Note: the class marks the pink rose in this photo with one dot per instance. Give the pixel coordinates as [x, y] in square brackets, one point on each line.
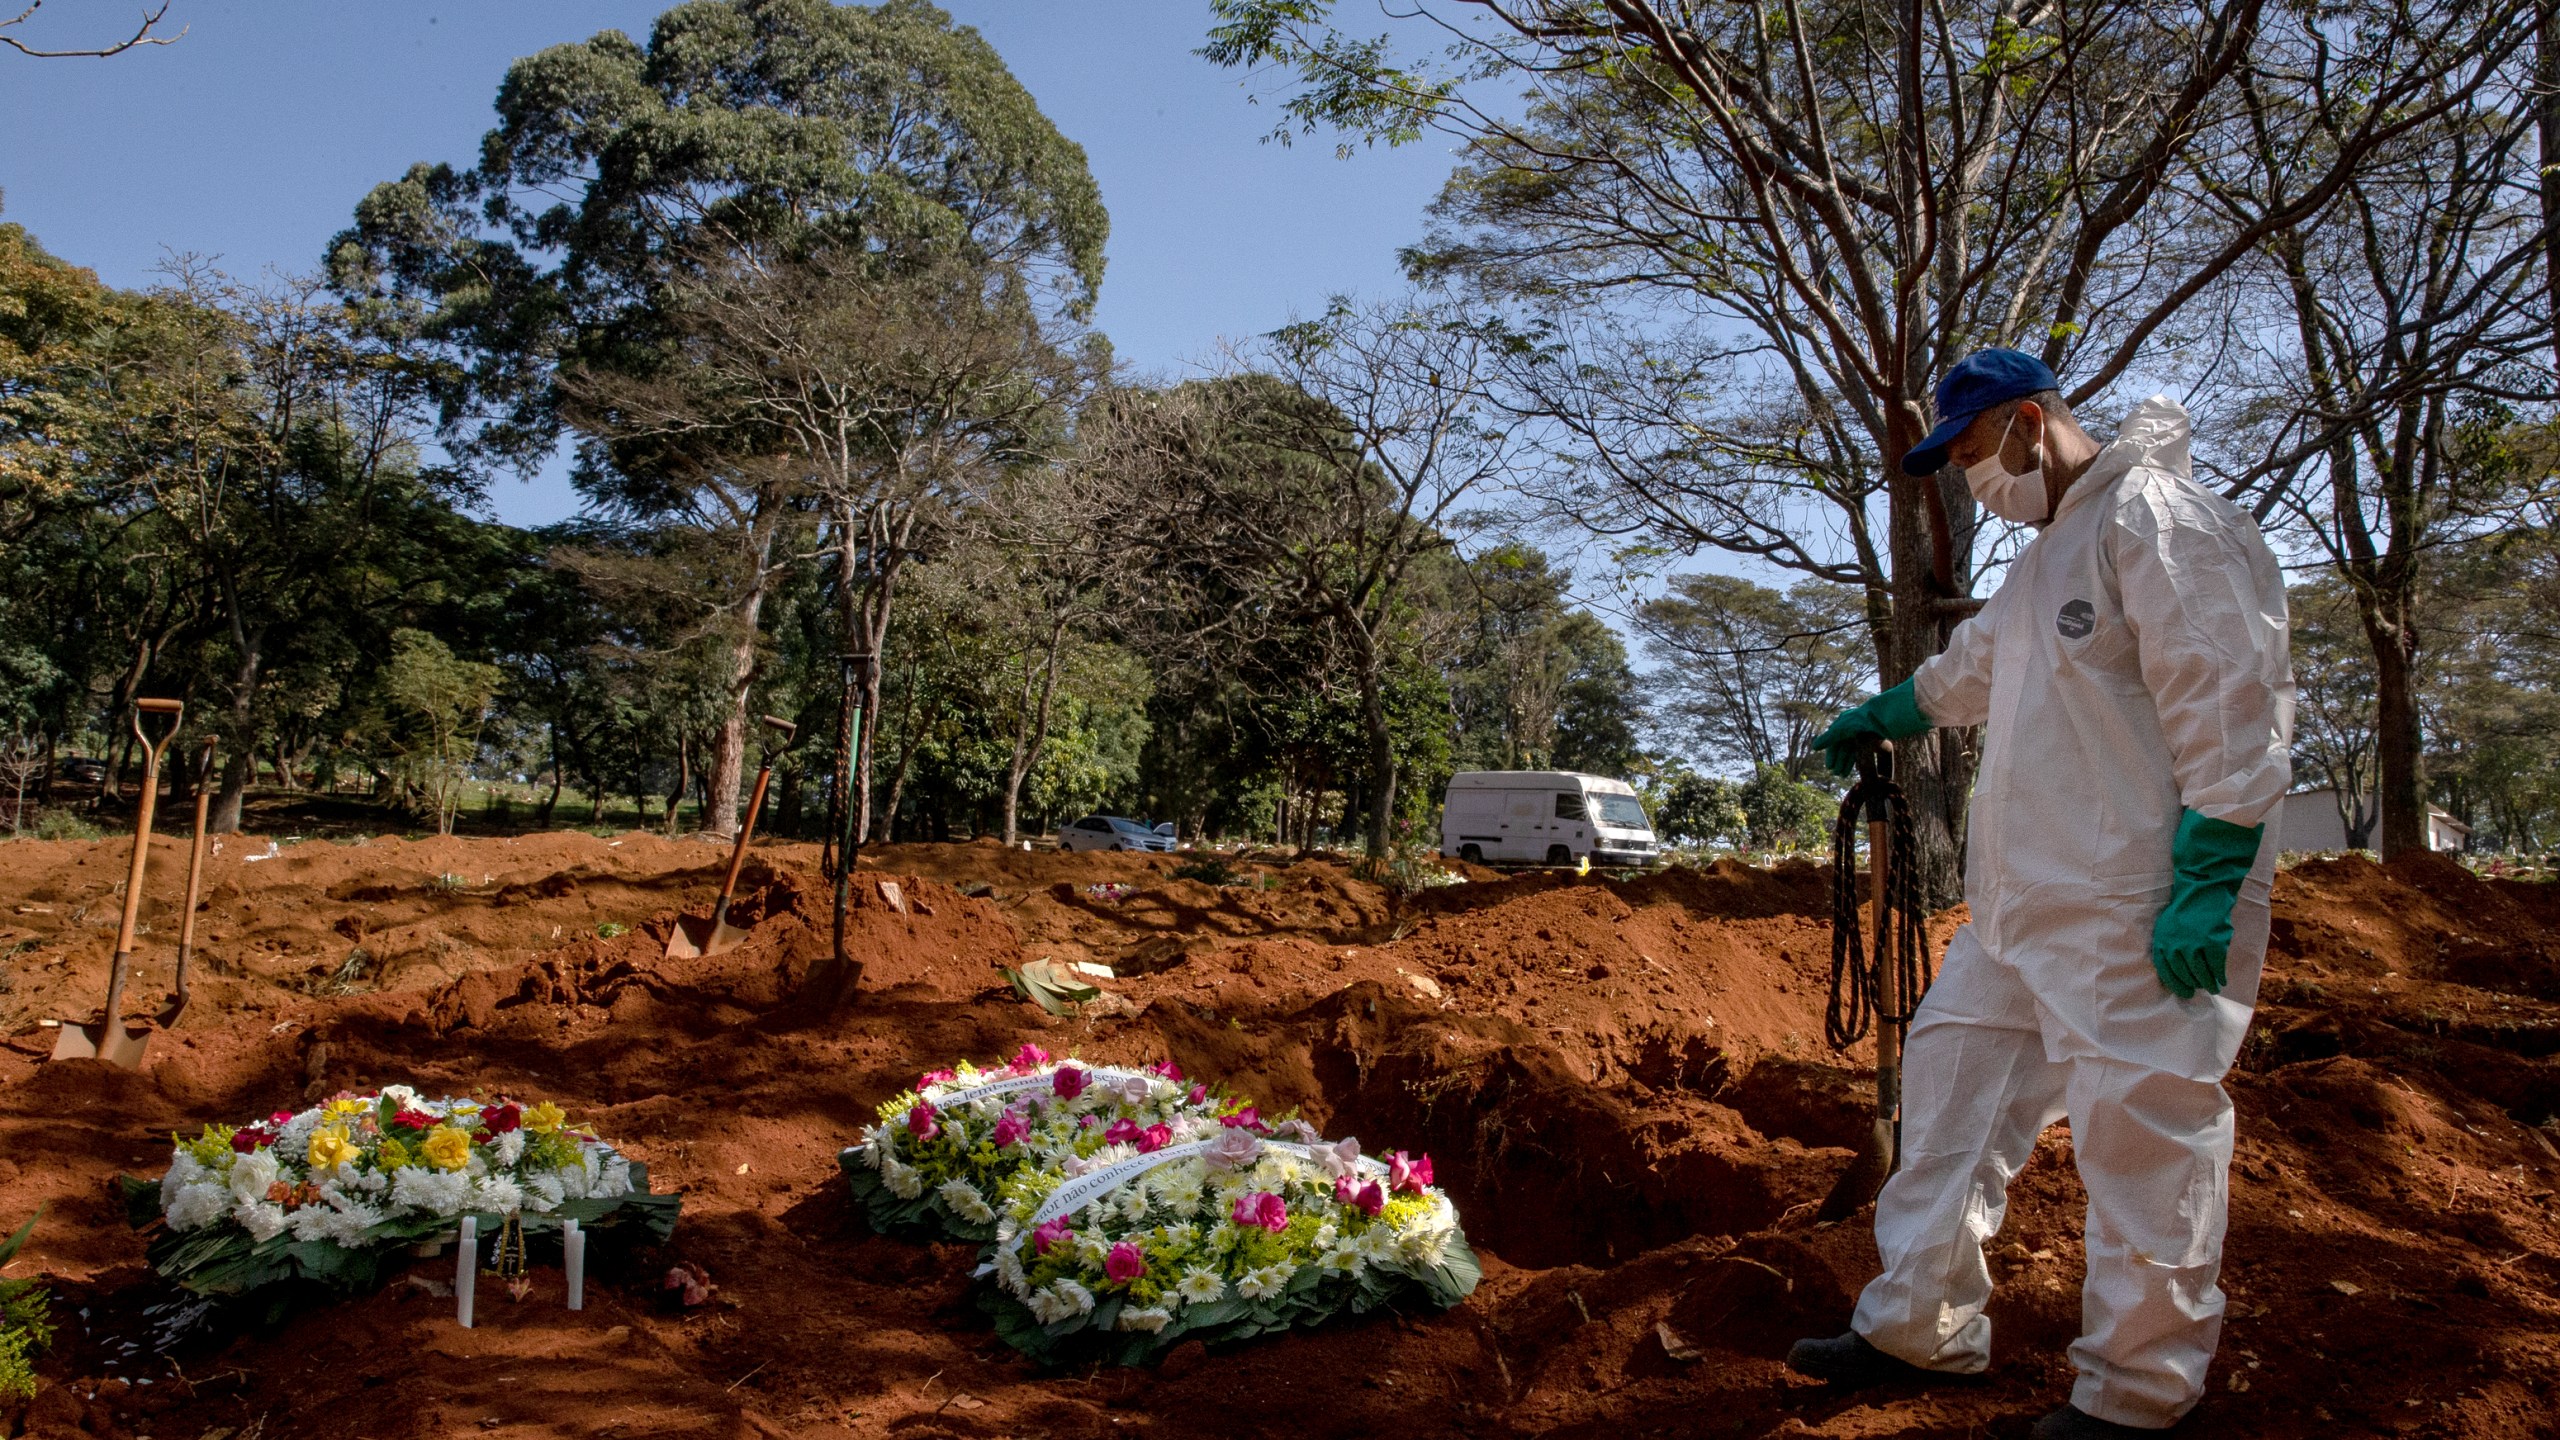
[1030, 1057]
[1199, 1095]
[1122, 1132]
[922, 1121]
[1339, 1159]
[1247, 1118]
[1231, 1150]
[1068, 1082]
[931, 1078]
[1406, 1175]
[1154, 1138]
[1010, 1126]
[280, 1117]
[1368, 1199]
[1124, 1264]
[1168, 1070]
[1130, 1090]
[1264, 1209]
[1049, 1233]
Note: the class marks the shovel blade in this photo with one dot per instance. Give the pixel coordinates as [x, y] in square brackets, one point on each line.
[693, 938]
[169, 1013]
[1864, 1177]
[110, 1042]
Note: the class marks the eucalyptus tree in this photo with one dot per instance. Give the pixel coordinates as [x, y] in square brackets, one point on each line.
[1748, 238]
[624, 181]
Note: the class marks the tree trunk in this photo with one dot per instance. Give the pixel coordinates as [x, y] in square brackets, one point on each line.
[225, 819]
[2400, 797]
[728, 770]
[1026, 749]
[1936, 770]
[1382, 758]
[684, 782]
[552, 802]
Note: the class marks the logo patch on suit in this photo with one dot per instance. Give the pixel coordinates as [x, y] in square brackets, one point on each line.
[2078, 618]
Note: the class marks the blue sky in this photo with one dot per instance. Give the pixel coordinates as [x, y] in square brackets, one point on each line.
[250, 140]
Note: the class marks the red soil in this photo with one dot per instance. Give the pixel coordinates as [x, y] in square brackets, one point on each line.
[1623, 1084]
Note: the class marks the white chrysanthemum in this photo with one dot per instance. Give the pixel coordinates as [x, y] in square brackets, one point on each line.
[1344, 1260]
[1009, 1270]
[1378, 1244]
[263, 1221]
[496, 1194]
[542, 1194]
[1263, 1283]
[902, 1179]
[1150, 1320]
[509, 1148]
[616, 1179]
[251, 1175]
[438, 1192]
[311, 1222]
[1325, 1235]
[295, 1137]
[346, 1227]
[1076, 1295]
[1424, 1240]
[1199, 1286]
[1048, 1306]
[965, 1201]
[371, 1182]
[191, 1206]
[183, 1170]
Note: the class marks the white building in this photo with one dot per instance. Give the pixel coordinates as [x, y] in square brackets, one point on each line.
[2310, 821]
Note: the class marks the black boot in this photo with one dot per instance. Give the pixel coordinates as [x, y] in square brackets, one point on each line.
[1849, 1362]
[2071, 1423]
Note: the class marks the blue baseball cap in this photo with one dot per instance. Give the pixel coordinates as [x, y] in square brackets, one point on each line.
[1972, 385]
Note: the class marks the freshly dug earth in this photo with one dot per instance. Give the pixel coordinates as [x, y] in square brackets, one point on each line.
[1623, 1083]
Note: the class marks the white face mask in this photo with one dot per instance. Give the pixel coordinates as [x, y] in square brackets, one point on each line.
[2019, 499]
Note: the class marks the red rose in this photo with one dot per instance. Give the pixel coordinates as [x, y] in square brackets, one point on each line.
[253, 1138]
[415, 1119]
[502, 1118]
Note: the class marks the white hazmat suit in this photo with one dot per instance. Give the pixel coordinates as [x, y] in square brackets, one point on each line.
[2133, 664]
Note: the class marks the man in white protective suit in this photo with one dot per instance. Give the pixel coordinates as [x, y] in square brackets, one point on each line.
[2132, 680]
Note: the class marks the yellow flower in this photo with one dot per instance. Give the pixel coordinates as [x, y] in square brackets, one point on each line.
[392, 1156]
[348, 1105]
[330, 1148]
[447, 1148]
[546, 1118]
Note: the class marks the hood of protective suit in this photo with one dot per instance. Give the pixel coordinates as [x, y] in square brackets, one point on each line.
[2153, 437]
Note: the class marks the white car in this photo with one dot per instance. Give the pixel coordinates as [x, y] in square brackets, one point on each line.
[1111, 832]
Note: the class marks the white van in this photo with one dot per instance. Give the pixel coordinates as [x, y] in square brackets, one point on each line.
[1543, 817]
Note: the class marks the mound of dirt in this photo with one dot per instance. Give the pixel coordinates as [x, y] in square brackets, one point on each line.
[1623, 1084]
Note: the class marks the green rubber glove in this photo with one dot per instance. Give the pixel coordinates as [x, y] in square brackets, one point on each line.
[1889, 716]
[2191, 941]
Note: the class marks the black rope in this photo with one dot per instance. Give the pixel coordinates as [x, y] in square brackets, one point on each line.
[1854, 968]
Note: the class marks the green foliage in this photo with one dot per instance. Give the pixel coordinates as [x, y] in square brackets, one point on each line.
[1780, 813]
[438, 704]
[26, 1321]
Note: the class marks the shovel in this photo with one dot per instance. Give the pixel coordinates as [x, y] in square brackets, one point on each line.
[1866, 1174]
[689, 940]
[177, 1005]
[108, 1040]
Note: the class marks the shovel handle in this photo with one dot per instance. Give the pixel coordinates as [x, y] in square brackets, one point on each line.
[738, 855]
[176, 711]
[195, 872]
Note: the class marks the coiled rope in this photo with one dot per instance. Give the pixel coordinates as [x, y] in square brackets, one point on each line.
[1855, 970]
